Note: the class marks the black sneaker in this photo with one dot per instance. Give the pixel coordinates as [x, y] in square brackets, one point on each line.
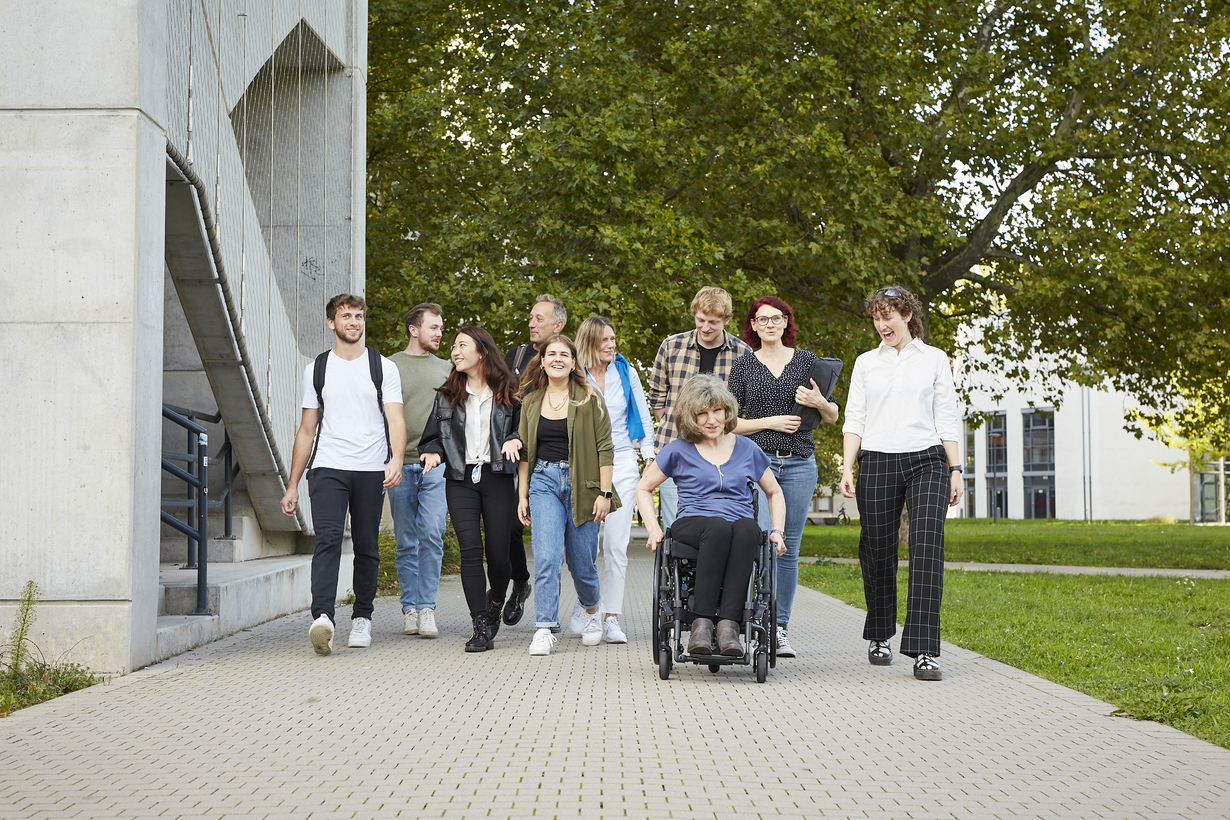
[927, 668]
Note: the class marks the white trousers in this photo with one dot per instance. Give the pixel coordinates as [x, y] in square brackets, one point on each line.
[617, 531]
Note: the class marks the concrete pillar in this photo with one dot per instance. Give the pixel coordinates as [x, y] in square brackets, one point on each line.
[82, 193]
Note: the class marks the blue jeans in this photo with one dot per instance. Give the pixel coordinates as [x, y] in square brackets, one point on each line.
[419, 509]
[554, 538]
[797, 477]
[668, 502]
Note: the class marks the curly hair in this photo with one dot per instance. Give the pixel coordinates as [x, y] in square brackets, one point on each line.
[495, 372]
[749, 324]
[534, 377]
[702, 392]
[902, 300]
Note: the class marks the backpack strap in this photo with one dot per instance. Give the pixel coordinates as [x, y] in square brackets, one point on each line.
[318, 381]
[377, 369]
[519, 361]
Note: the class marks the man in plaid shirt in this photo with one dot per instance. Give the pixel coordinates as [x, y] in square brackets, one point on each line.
[707, 349]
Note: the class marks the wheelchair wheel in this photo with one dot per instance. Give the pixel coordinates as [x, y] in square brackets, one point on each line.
[713, 667]
[772, 610]
[656, 640]
[762, 667]
[664, 665]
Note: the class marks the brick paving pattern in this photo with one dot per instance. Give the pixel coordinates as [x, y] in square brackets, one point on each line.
[257, 725]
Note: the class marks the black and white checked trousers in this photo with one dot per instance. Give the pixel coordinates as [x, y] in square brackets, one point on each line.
[920, 482]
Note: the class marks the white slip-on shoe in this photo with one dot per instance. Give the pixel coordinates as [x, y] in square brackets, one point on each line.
[410, 622]
[611, 631]
[591, 634]
[321, 635]
[543, 640]
[576, 623]
[360, 632]
[427, 623]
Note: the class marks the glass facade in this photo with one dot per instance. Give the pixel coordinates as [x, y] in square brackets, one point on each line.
[1210, 489]
[997, 465]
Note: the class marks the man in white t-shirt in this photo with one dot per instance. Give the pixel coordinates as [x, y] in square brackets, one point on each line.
[358, 453]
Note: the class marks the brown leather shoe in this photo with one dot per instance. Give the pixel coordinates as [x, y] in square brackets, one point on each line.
[701, 640]
[728, 638]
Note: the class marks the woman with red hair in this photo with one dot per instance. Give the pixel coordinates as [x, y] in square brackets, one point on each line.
[768, 382]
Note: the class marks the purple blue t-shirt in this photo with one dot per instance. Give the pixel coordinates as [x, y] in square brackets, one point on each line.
[712, 491]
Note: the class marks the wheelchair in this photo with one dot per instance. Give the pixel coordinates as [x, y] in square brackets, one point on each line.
[674, 572]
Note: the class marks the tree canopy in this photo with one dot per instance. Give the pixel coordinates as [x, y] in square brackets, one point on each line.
[1059, 167]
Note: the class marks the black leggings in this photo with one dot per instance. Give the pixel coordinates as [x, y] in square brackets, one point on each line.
[726, 551]
[494, 500]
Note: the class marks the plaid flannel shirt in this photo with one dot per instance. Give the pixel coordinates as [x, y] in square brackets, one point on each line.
[679, 358]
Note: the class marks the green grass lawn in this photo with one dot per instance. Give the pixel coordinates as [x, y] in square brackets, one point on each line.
[1079, 543]
[1157, 648]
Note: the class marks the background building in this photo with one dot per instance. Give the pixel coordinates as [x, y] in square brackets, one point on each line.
[182, 189]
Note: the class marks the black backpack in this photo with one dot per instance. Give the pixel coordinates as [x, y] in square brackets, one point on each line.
[318, 381]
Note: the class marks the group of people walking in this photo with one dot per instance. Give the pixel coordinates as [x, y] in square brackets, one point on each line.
[549, 435]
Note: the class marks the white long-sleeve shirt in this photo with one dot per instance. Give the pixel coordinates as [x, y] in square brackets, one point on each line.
[902, 402]
[617, 406]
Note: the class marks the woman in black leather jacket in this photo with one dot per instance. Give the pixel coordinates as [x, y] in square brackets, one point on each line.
[473, 429]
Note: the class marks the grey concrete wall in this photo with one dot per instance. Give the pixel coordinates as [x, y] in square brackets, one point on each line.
[82, 107]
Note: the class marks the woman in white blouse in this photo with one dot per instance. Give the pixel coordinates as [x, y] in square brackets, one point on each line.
[902, 413]
[631, 429]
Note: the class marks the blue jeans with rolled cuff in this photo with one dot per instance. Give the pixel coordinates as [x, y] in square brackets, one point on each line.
[555, 538]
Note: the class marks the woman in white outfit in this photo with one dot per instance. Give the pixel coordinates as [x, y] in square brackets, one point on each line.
[631, 428]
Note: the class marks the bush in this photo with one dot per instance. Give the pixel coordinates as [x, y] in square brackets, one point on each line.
[26, 680]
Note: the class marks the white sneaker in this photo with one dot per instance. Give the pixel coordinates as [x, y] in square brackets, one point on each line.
[427, 623]
[321, 635]
[543, 641]
[410, 622]
[612, 632]
[576, 623]
[784, 650]
[360, 632]
[591, 635]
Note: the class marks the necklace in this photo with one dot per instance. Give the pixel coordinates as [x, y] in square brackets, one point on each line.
[563, 399]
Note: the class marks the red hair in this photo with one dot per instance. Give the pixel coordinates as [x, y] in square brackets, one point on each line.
[749, 330]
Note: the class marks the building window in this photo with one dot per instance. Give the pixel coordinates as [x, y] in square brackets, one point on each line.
[969, 449]
[971, 509]
[1038, 442]
[1210, 488]
[997, 465]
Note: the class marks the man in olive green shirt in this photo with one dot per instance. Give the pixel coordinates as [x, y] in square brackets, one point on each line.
[418, 504]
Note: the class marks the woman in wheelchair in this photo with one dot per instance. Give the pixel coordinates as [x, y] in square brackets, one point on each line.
[711, 467]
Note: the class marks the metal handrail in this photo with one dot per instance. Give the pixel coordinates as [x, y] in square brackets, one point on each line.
[196, 477]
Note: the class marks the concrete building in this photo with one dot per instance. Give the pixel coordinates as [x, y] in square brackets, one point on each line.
[182, 188]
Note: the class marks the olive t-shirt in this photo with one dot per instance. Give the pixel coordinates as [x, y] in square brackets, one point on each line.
[420, 376]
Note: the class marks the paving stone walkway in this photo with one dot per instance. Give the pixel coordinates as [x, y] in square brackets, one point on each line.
[257, 725]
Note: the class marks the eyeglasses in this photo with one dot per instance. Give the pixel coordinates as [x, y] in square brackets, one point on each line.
[893, 292]
[765, 321]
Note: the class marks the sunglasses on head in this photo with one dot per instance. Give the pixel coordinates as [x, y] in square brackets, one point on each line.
[890, 292]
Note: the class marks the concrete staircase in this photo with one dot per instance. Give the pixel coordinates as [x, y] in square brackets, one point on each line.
[253, 577]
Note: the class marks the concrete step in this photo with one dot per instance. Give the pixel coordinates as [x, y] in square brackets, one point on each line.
[247, 542]
[239, 595]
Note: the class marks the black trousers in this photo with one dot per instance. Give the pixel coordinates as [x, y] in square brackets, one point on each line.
[487, 508]
[920, 482]
[516, 552]
[333, 492]
[726, 551]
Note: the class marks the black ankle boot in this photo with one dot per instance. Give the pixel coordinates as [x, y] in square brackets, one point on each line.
[481, 641]
[493, 615]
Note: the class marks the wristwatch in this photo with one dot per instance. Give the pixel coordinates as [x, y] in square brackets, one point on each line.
[605, 493]
[956, 469]
[782, 533]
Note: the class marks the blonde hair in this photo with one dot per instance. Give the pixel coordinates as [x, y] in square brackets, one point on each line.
[713, 300]
[702, 392]
[589, 339]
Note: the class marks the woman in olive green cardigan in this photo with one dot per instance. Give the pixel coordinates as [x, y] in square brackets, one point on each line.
[564, 486]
